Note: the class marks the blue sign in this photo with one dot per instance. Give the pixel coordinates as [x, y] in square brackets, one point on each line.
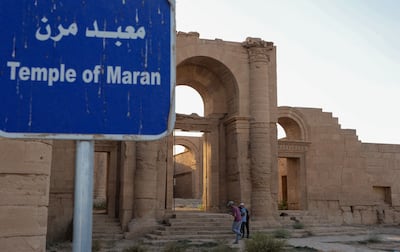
[93, 69]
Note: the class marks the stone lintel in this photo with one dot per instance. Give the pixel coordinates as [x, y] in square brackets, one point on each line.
[196, 123]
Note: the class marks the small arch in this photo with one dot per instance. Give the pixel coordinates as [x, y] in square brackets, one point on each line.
[190, 143]
[292, 121]
[188, 180]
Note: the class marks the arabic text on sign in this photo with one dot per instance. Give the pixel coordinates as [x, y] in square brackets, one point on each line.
[128, 33]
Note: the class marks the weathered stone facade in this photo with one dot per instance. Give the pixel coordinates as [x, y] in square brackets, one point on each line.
[334, 175]
[24, 194]
[318, 167]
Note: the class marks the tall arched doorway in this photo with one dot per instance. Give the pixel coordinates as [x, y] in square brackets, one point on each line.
[292, 147]
[217, 88]
[188, 168]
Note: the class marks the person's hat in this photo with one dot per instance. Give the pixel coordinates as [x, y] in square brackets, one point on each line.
[242, 204]
[230, 203]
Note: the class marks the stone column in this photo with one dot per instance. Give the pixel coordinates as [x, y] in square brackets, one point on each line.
[237, 172]
[128, 169]
[212, 164]
[262, 127]
[145, 189]
[211, 172]
[145, 179]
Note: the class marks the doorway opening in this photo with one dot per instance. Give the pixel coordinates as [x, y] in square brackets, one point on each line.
[188, 168]
[188, 175]
[106, 180]
[101, 162]
[289, 184]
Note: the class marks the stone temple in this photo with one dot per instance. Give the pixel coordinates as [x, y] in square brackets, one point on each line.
[318, 167]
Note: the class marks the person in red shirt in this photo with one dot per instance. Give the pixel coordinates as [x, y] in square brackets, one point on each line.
[237, 220]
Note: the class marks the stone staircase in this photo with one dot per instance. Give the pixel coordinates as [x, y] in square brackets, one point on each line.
[197, 227]
[106, 230]
[193, 226]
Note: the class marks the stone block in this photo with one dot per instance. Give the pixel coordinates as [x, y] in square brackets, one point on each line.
[23, 221]
[63, 167]
[357, 219]
[27, 190]
[17, 156]
[60, 216]
[23, 244]
[348, 218]
[368, 216]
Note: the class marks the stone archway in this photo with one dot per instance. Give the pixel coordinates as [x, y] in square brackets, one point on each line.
[218, 88]
[188, 168]
[291, 160]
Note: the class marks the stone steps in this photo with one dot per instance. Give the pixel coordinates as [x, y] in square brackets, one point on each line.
[197, 227]
[194, 226]
[106, 228]
[204, 227]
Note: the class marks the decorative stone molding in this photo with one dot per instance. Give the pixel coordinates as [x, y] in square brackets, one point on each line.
[292, 146]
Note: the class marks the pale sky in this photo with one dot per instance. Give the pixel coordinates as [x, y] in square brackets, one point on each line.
[339, 55]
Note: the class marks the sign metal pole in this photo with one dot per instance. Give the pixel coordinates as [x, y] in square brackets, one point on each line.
[83, 202]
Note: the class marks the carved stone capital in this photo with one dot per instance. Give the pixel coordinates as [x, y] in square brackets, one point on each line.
[258, 49]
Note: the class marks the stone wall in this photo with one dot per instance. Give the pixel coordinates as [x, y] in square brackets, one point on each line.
[349, 182]
[184, 175]
[382, 162]
[24, 194]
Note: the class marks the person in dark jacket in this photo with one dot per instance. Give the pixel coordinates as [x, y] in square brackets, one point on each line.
[245, 220]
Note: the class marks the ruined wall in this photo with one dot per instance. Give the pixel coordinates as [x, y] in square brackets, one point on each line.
[349, 181]
[24, 194]
[382, 162]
